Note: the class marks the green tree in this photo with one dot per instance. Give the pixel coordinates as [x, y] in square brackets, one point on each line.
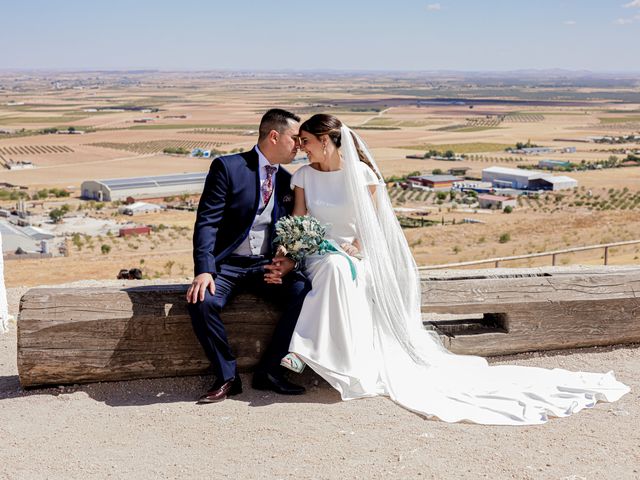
[56, 215]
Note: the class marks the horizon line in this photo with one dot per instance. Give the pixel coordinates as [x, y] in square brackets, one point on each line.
[549, 70]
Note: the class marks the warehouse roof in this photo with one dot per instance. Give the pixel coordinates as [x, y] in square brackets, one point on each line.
[517, 171]
[154, 181]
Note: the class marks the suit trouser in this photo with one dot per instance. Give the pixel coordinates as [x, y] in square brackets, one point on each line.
[246, 273]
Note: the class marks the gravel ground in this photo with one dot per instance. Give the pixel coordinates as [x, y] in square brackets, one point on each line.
[153, 429]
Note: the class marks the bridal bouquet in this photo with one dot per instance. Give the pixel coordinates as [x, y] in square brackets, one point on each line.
[301, 236]
[304, 235]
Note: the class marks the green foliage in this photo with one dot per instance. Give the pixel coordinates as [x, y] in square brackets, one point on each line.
[12, 194]
[521, 145]
[176, 150]
[504, 238]
[507, 209]
[402, 178]
[77, 241]
[105, 249]
[59, 192]
[56, 215]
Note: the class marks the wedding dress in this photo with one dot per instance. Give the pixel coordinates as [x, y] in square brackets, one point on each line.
[365, 336]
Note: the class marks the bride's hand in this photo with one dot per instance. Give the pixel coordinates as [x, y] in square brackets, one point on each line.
[277, 269]
[350, 249]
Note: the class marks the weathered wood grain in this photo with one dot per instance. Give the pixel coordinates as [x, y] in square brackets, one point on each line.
[98, 334]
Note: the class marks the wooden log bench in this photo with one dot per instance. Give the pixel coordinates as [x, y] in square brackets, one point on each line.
[98, 334]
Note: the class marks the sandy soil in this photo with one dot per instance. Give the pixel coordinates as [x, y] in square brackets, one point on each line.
[153, 429]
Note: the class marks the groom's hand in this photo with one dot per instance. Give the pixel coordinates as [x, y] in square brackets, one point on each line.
[278, 268]
[199, 286]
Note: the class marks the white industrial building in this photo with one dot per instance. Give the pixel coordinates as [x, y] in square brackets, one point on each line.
[139, 207]
[496, 201]
[526, 179]
[143, 187]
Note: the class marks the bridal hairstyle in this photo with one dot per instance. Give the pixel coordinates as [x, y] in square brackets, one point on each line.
[323, 124]
[275, 119]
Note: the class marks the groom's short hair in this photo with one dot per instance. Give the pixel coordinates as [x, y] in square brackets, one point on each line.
[275, 119]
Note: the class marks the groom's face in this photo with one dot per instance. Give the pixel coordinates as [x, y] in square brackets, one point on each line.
[287, 143]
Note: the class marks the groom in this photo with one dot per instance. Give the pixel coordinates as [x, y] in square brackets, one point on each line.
[244, 195]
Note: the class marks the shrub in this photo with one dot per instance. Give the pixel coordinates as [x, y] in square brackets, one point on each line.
[504, 238]
[507, 209]
[77, 241]
[105, 249]
[56, 215]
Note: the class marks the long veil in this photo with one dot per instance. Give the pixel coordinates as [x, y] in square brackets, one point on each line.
[415, 369]
[394, 282]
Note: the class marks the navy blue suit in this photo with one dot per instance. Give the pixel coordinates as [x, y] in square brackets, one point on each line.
[227, 209]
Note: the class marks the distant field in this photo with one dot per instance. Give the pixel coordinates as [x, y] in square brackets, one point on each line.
[37, 120]
[473, 147]
[625, 119]
[604, 208]
[35, 149]
[158, 145]
[394, 122]
[178, 126]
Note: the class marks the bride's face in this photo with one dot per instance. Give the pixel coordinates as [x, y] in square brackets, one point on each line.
[312, 146]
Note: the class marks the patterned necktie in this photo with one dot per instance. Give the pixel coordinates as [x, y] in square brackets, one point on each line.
[267, 186]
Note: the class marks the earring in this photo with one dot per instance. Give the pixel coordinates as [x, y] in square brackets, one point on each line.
[324, 149]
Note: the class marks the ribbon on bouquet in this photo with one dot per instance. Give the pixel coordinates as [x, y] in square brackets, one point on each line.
[329, 246]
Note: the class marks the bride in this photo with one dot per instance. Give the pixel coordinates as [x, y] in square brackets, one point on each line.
[360, 327]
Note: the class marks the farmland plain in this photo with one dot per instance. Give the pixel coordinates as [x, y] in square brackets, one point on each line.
[123, 122]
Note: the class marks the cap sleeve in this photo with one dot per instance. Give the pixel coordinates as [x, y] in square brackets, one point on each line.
[297, 179]
[370, 178]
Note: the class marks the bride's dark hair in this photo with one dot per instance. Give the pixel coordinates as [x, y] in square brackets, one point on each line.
[324, 124]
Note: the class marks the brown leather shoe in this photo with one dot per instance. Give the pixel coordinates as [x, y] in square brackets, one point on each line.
[219, 392]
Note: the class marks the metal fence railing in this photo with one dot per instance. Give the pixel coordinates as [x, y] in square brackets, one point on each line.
[553, 254]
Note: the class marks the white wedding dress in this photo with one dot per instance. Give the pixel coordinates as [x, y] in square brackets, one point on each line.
[351, 334]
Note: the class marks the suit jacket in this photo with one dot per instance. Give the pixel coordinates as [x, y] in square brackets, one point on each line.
[228, 207]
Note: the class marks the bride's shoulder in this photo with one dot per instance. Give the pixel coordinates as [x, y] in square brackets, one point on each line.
[297, 179]
[369, 175]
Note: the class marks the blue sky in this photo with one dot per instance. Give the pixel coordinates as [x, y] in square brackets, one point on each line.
[465, 35]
